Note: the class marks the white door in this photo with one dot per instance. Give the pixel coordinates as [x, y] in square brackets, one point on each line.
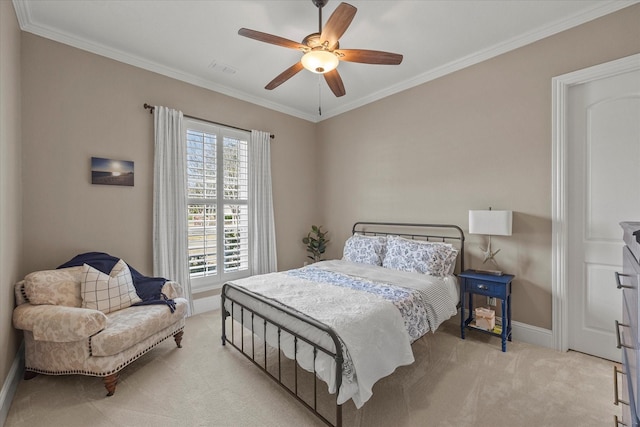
[603, 179]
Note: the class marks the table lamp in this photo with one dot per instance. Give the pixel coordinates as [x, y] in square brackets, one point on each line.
[491, 223]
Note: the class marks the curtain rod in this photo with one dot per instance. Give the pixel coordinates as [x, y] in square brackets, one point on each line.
[151, 108]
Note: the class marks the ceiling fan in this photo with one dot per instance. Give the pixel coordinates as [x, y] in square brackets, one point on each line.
[322, 52]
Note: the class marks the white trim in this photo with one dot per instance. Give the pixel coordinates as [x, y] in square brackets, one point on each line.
[527, 333]
[598, 10]
[10, 385]
[559, 280]
[531, 334]
[202, 305]
[558, 217]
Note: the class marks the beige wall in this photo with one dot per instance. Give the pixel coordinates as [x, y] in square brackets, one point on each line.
[10, 187]
[476, 138]
[77, 105]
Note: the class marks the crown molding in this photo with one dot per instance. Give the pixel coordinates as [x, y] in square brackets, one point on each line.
[26, 24]
[595, 12]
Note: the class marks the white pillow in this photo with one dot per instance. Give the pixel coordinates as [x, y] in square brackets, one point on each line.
[433, 258]
[107, 292]
[365, 249]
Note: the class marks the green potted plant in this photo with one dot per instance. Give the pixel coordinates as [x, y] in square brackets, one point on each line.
[316, 242]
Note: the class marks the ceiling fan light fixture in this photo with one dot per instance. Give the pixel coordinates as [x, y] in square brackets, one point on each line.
[320, 61]
[321, 54]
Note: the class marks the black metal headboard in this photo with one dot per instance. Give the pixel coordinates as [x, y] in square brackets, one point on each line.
[430, 232]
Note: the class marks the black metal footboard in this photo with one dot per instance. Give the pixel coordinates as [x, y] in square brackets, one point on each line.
[241, 312]
[271, 313]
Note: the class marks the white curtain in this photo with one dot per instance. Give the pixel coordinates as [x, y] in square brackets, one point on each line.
[262, 225]
[170, 245]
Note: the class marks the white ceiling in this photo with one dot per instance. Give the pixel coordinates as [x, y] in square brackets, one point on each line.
[198, 41]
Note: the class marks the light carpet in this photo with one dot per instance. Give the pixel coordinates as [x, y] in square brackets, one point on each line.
[453, 383]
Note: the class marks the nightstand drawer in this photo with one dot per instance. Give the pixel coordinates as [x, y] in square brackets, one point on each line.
[485, 288]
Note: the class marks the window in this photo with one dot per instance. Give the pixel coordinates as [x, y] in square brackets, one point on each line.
[217, 192]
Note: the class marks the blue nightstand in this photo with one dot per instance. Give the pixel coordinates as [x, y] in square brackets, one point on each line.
[488, 285]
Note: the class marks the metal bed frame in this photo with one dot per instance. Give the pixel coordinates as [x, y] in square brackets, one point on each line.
[446, 233]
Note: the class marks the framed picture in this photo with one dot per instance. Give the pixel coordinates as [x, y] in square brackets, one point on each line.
[111, 172]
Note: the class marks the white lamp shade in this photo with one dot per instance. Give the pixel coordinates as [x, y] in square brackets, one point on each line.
[494, 223]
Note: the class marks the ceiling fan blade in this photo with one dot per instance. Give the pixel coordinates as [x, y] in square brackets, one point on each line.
[284, 76]
[369, 56]
[270, 38]
[337, 24]
[334, 81]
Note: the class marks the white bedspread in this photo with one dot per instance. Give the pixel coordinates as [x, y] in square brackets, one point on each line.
[441, 294]
[371, 327]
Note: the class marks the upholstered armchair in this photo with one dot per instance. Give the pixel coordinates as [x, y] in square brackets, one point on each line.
[69, 330]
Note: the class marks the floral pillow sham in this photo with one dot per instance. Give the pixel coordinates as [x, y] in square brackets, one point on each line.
[365, 249]
[433, 258]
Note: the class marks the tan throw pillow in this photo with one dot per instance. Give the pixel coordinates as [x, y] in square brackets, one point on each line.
[54, 287]
[107, 292]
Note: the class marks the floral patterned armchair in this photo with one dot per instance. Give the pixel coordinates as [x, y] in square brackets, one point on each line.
[64, 334]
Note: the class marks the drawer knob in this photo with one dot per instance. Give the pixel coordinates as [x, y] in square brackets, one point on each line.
[619, 282]
[483, 287]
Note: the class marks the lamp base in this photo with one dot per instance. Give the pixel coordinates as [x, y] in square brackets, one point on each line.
[491, 272]
[489, 255]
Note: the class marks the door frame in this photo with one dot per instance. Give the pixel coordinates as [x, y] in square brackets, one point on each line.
[559, 192]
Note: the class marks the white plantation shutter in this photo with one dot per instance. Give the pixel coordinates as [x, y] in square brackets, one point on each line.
[201, 195]
[217, 188]
[236, 194]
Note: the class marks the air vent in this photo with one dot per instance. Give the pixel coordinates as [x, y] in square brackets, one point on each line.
[220, 67]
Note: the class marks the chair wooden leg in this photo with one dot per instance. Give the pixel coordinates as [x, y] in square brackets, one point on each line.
[110, 383]
[28, 375]
[178, 338]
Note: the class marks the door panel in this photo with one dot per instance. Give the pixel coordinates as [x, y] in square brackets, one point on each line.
[600, 301]
[603, 178]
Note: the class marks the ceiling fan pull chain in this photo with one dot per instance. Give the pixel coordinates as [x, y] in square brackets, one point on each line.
[320, 94]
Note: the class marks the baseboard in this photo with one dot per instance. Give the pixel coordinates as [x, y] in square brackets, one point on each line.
[532, 334]
[10, 385]
[202, 305]
[529, 333]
